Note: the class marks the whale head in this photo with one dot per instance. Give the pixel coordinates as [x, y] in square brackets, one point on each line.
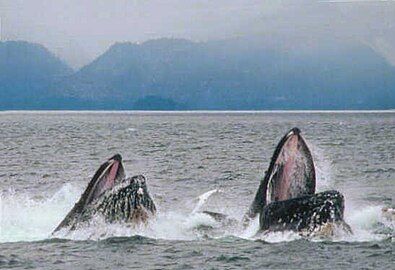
[113, 196]
[109, 174]
[106, 177]
[291, 173]
[129, 201]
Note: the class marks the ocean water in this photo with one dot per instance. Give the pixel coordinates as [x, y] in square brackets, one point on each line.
[193, 162]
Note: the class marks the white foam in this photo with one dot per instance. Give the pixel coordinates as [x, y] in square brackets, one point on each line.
[23, 218]
[276, 237]
[168, 225]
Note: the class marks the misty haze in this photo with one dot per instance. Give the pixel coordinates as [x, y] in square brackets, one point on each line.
[197, 134]
[173, 55]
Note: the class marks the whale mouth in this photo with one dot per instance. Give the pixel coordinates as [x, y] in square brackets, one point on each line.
[291, 172]
[106, 177]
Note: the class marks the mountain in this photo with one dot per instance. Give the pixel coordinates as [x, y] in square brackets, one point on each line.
[236, 74]
[27, 72]
[176, 74]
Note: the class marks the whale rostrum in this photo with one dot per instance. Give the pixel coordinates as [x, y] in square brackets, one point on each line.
[112, 196]
[286, 198]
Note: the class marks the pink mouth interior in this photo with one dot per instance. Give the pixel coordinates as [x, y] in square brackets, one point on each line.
[293, 174]
[287, 161]
[108, 180]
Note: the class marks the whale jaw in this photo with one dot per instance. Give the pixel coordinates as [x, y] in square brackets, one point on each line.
[109, 174]
[286, 198]
[306, 213]
[127, 202]
[106, 177]
[290, 174]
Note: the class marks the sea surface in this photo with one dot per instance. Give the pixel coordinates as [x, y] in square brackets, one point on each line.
[193, 161]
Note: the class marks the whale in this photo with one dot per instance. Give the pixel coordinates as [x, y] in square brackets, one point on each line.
[291, 173]
[112, 196]
[286, 198]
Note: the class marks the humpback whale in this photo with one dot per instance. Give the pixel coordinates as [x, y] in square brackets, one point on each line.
[286, 198]
[113, 196]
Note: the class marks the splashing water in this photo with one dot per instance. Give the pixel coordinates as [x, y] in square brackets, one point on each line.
[323, 167]
[23, 218]
[27, 218]
[203, 199]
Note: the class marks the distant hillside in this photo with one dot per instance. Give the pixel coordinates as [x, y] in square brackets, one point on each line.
[27, 71]
[174, 74]
[236, 74]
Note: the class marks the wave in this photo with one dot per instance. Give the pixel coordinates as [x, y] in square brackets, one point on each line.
[25, 218]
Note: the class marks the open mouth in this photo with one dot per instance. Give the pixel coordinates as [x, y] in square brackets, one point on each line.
[106, 177]
[291, 172]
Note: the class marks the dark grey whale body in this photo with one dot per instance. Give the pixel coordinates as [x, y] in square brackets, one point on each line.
[112, 196]
[286, 198]
[308, 212]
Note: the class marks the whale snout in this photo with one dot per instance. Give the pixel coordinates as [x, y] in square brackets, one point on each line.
[116, 157]
[295, 131]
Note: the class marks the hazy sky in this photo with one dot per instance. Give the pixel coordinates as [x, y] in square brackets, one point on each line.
[80, 30]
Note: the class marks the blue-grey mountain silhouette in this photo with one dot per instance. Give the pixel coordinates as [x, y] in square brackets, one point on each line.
[174, 74]
[27, 73]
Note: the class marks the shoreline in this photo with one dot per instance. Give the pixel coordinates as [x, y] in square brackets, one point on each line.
[195, 111]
